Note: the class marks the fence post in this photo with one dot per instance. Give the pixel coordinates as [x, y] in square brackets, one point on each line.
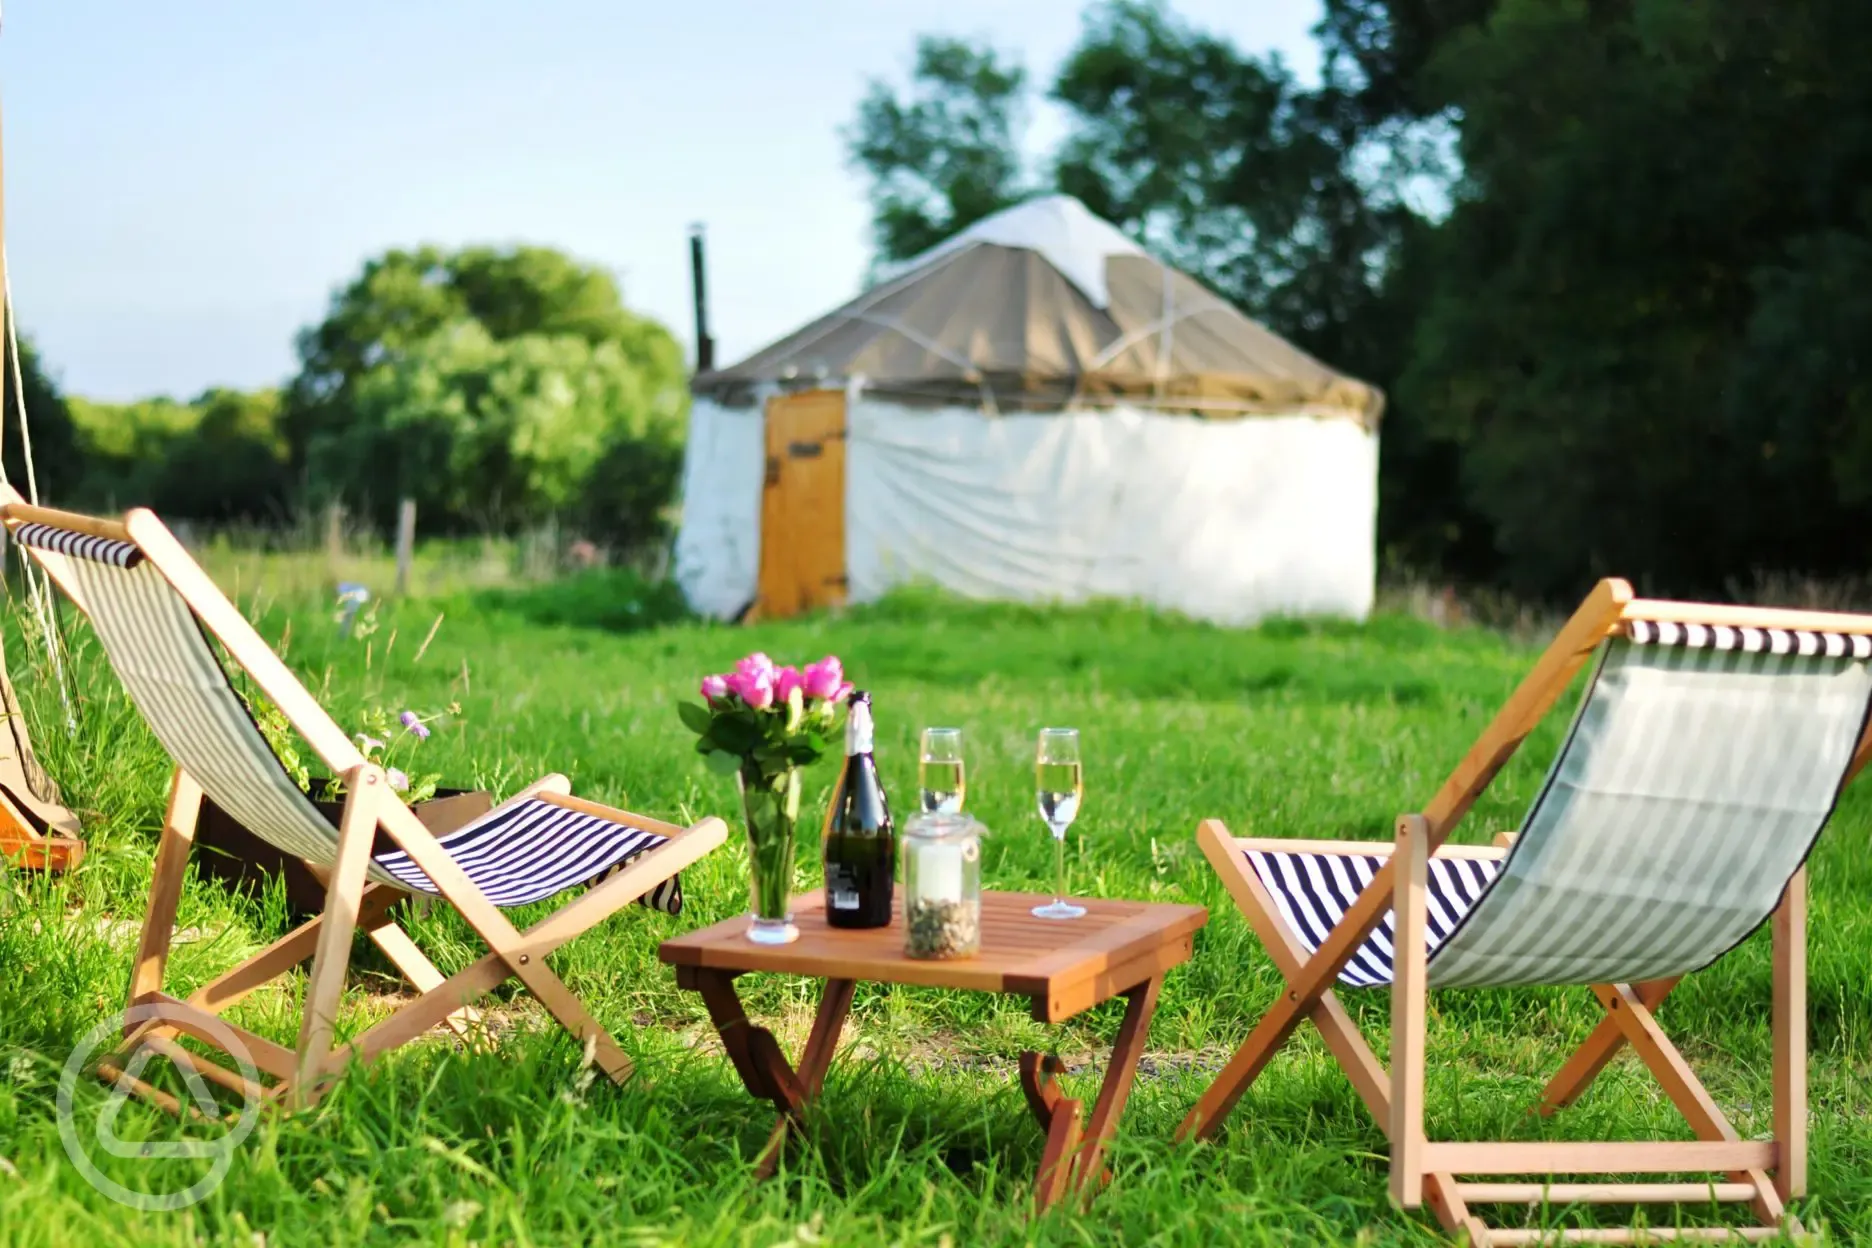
[405, 543]
[334, 537]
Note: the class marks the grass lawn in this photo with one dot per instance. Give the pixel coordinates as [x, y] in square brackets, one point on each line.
[1298, 730]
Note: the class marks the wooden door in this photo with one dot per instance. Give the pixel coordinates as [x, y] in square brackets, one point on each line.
[802, 557]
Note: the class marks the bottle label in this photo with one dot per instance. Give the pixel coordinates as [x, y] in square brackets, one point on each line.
[841, 887]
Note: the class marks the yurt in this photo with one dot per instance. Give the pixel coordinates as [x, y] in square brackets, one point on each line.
[1036, 410]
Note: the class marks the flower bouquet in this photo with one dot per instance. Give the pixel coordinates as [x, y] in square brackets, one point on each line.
[763, 724]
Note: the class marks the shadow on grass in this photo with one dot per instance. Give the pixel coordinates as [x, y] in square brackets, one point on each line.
[610, 600]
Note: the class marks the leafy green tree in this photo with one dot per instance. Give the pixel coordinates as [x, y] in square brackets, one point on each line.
[485, 431]
[1381, 48]
[49, 418]
[220, 457]
[626, 501]
[231, 465]
[487, 384]
[1645, 319]
[948, 155]
[123, 447]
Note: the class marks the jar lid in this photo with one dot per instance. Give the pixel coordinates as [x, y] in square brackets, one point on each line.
[942, 825]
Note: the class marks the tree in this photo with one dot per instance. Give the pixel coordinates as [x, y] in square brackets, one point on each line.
[219, 457]
[949, 155]
[1646, 314]
[231, 464]
[49, 420]
[1385, 46]
[486, 384]
[492, 432]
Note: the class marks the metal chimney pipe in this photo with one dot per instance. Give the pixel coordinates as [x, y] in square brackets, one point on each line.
[705, 345]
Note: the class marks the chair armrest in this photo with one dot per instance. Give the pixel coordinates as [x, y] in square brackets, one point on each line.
[615, 815]
[1363, 849]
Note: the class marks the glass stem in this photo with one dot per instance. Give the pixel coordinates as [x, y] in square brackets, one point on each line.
[1059, 863]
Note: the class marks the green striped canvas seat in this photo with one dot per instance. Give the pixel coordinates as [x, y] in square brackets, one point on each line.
[1697, 773]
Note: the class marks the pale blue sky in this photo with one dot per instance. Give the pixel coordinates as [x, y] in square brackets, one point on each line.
[187, 182]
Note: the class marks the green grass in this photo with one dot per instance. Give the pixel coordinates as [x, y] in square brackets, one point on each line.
[1290, 729]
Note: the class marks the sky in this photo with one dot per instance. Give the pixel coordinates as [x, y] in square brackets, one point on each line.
[186, 184]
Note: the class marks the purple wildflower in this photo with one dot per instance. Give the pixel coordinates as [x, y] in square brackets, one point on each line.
[413, 724]
[398, 780]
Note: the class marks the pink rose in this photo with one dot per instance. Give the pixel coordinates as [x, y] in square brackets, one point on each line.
[822, 679]
[786, 680]
[714, 688]
[754, 663]
[756, 688]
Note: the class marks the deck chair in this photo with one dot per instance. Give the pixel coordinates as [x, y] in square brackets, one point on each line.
[37, 833]
[155, 613]
[1705, 756]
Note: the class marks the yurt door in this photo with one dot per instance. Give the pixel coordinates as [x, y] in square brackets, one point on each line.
[802, 559]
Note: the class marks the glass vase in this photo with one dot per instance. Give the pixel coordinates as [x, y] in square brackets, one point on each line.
[770, 806]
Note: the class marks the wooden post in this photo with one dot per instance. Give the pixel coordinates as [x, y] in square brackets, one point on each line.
[1409, 961]
[405, 543]
[334, 537]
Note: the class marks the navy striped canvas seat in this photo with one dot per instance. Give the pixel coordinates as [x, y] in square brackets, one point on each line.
[1698, 772]
[1312, 892]
[530, 850]
[518, 853]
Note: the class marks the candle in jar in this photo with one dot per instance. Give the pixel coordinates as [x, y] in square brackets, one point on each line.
[939, 873]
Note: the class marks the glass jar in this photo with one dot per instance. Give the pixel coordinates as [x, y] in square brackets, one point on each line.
[942, 885]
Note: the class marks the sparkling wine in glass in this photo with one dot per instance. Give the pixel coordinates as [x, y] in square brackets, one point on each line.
[939, 770]
[1060, 784]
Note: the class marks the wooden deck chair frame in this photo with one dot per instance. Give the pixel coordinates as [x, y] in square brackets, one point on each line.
[303, 1073]
[1765, 1173]
[37, 833]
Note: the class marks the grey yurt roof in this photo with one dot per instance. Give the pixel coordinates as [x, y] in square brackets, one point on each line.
[1041, 307]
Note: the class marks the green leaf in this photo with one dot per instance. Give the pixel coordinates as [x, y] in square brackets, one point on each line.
[722, 763]
[697, 717]
[735, 733]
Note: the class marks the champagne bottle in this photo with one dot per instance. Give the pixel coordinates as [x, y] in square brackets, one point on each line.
[860, 841]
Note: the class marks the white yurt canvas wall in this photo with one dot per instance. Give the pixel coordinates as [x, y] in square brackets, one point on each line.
[1224, 521]
[1037, 411]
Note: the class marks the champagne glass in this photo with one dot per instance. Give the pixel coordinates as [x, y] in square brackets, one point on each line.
[939, 771]
[1060, 784]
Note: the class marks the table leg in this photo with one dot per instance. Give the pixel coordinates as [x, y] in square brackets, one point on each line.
[1037, 1076]
[1140, 1005]
[1056, 1162]
[724, 1007]
[1074, 1158]
[821, 1044]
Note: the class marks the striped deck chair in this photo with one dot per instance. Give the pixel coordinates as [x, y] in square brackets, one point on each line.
[155, 613]
[1706, 755]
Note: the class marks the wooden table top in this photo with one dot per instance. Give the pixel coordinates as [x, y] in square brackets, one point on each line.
[1065, 966]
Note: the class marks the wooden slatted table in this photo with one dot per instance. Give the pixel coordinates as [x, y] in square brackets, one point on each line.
[1120, 948]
